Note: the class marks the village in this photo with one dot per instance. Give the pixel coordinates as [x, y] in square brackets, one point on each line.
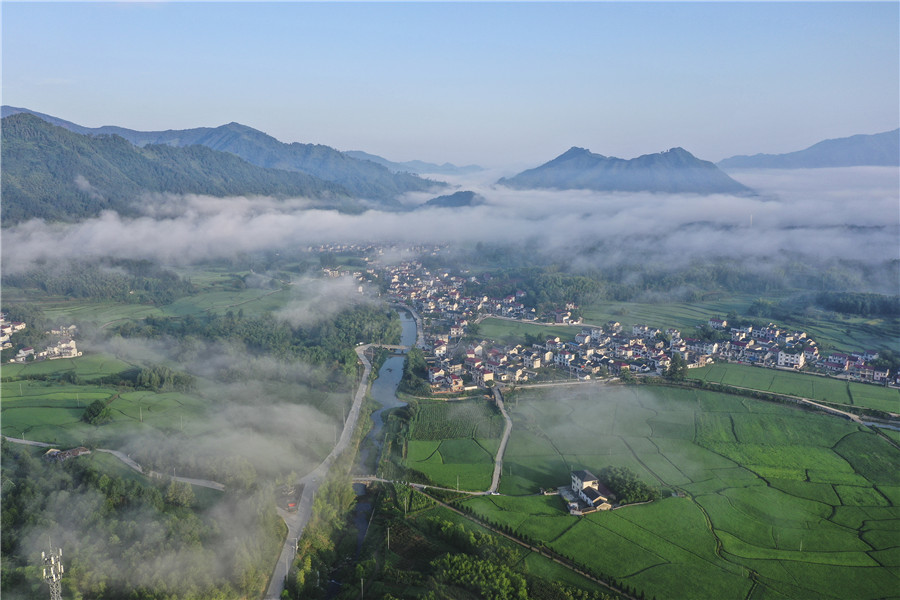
[597, 350]
[63, 343]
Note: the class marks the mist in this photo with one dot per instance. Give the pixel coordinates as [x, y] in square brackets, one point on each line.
[819, 214]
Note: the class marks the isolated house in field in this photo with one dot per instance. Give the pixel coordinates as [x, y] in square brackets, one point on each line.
[589, 490]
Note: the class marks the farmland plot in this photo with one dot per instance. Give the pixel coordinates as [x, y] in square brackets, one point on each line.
[454, 443]
[775, 500]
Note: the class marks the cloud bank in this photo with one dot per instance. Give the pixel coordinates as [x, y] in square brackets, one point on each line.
[824, 214]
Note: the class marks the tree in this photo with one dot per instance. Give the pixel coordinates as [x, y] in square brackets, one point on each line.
[96, 413]
[677, 368]
[180, 493]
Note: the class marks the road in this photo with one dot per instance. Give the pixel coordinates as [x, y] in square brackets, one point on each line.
[215, 485]
[297, 521]
[498, 461]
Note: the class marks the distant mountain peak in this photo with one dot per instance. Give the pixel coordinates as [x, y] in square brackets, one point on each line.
[414, 166]
[673, 171]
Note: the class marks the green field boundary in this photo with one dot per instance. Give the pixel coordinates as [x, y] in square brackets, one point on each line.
[542, 549]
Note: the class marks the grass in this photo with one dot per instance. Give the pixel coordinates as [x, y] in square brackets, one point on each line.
[846, 333]
[90, 367]
[513, 332]
[759, 479]
[663, 315]
[805, 385]
[454, 443]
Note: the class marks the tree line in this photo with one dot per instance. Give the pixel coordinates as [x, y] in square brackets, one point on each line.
[328, 343]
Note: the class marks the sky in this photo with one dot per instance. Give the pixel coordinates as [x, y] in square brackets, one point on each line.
[496, 84]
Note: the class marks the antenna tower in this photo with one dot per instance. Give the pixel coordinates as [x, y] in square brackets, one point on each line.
[53, 571]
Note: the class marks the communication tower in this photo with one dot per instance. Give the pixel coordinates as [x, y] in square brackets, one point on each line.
[53, 571]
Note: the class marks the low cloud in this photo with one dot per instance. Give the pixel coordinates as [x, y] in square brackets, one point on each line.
[314, 300]
[820, 214]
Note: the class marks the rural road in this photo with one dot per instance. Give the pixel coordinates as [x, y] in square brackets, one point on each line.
[215, 485]
[498, 461]
[296, 522]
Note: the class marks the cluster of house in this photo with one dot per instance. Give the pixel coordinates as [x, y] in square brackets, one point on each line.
[774, 346]
[7, 328]
[596, 350]
[63, 343]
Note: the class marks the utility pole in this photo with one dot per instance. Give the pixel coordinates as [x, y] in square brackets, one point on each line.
[53, 571]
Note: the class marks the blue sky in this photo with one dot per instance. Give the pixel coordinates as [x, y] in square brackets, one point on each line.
[492, 83]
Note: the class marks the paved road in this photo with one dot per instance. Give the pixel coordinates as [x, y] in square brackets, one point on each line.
[498, 461]
[27, 442]
[296, 522]
[125, 459]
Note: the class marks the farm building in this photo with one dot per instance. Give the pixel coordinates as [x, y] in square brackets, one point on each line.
[590, 491]
[54, 454]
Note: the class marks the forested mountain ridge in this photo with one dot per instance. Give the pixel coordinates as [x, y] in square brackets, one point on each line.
[880, 149]
[55, 174]
[360, 178]
[674, 171]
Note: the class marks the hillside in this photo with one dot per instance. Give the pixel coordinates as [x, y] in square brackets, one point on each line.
[455, 200]
[673, 171]
[414, 166]
[880, 149]
[55, 174]
[360, 178]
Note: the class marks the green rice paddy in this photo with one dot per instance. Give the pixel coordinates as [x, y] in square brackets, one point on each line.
[773, 502]
[814, 387]
[454, 443]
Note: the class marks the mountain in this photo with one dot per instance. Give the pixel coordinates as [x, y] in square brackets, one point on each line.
[880, 149]
[415, 166]
[52, 173]
[674, 171]
[361, 178]
[456, 200]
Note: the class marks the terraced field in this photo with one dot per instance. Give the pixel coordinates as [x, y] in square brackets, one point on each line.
[761, 500]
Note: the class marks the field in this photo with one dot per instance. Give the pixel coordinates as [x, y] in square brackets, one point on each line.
[840, 332]
[513, 332]
[761, 500]
[801, 384]
[681, 315]
[50, 411]
[454, 443]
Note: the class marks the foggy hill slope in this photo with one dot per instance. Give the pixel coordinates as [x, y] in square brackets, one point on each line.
[58, 175]
[674, 171]
[361, 178]
[456, 200]
[880, 149]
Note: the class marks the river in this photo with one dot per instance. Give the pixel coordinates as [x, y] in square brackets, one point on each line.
[384, 392]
